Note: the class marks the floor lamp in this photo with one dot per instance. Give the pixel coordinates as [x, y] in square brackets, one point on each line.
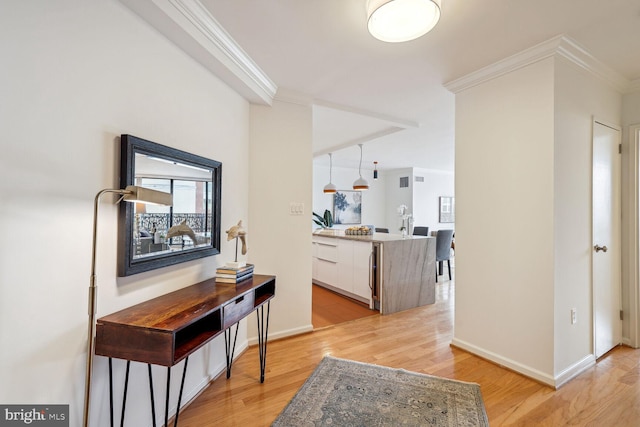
[131, 193]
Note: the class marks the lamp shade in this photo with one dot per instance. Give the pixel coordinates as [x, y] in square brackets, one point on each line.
[330, 187]
[360, 184]
[401, 20]
[133, 193]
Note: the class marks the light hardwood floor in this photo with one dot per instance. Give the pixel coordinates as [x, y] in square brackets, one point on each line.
[329, 308]
[418, 340]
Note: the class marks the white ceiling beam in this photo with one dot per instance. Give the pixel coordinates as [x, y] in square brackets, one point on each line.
[395, 121]
[359, 140]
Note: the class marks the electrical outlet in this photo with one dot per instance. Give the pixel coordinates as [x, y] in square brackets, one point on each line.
[574, 317]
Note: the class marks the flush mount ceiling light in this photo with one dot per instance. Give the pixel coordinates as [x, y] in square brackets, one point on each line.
[330, 187]
[401, 20]
[360, 184]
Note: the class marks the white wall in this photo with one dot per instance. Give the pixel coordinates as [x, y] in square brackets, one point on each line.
[523, 151]
[426, 197]
[280, 243]
[631, 108]
[396, 196]
[579, 97]
[75, 76]
[504, 220]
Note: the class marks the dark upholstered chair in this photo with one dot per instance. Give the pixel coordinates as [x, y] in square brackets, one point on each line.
[443, 250]
[419, 230]
[382, 230]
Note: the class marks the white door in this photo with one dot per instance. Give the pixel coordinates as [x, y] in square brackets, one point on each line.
[606, 238]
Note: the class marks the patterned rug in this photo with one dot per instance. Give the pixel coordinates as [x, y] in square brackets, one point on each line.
[343, 393]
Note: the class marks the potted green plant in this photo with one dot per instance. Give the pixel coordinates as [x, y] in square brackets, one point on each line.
[325, 221]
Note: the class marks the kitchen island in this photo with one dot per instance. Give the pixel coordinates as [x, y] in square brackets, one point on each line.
[389, 272]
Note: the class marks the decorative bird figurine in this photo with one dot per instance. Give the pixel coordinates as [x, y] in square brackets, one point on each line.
[182, 229]
[236, 232]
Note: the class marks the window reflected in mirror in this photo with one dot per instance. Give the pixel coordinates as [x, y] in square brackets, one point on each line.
[191, 188]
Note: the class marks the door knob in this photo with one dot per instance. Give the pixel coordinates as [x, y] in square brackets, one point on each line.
[599, 248]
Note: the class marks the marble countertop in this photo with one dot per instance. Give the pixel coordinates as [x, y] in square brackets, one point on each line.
[375, 237]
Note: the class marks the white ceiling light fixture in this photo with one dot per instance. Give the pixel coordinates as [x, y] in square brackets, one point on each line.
[330, 187]
[401, 20]
[360, 184]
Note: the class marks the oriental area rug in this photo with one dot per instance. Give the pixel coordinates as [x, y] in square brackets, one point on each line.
[346, 393]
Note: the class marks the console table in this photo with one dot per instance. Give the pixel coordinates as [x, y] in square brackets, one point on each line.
[167, 329]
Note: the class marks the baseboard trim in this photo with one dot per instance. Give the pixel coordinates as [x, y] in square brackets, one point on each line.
[574, 370]
[505, 362]
[556, 382]
[284, 334]
[628, 342]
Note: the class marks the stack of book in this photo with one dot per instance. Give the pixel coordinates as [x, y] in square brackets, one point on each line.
[234, 275]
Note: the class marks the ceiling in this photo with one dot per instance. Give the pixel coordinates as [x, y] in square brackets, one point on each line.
[391, 96]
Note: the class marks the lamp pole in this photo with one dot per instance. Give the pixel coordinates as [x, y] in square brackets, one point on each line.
[131, 193]
[92, 305]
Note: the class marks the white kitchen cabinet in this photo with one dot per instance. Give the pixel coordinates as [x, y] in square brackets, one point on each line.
[325, 260]
[362, 269]
[343, 266]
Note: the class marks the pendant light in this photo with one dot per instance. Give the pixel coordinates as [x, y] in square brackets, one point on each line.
[330, 188]
[360, 184]
[401, 20]
[375, 170]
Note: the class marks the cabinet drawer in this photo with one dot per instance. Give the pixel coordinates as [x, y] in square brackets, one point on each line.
[325, 240]
[237, 309]
[327, 272]
[327, 252]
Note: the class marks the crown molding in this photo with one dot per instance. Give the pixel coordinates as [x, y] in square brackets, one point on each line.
[504, 66]
[577, 55]
[189, 25]
[293, 97]
[561, 46]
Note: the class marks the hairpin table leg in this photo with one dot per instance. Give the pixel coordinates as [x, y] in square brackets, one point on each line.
[153, 403]
[263, 330]
[126, 388]
[230, 347]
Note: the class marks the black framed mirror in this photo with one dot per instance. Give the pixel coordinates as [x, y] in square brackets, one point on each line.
[153, 236]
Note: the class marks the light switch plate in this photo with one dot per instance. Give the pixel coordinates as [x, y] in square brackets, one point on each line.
[296, 208]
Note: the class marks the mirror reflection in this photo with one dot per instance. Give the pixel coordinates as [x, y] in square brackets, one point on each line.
[186, 224]
[155, 236]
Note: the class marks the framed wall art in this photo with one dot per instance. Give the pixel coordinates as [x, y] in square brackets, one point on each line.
[347, 207]
[447, 209]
